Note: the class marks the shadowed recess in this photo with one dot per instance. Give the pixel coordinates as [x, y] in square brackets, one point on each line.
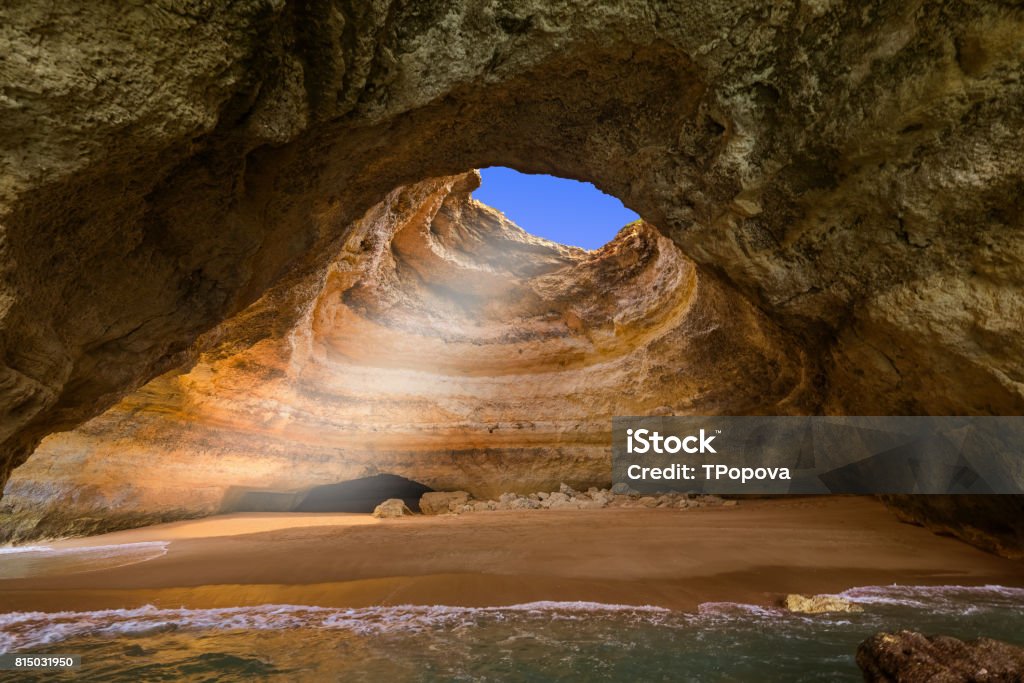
[356, 495]
[363, 495]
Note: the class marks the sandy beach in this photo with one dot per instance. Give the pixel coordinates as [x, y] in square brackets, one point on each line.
[754, 553]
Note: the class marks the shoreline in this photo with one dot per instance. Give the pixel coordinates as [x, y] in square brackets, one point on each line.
[753, 553]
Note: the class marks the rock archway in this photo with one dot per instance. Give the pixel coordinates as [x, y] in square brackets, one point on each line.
[853, 172]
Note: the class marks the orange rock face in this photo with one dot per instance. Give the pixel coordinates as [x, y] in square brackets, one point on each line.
[443, 344]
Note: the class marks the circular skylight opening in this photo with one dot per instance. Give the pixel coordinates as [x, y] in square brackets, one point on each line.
[558, 209]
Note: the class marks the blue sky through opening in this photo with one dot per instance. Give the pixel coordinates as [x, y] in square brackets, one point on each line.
[561, 210]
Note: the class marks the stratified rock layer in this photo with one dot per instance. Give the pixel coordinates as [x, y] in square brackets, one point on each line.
[443, 344]
[854, 169]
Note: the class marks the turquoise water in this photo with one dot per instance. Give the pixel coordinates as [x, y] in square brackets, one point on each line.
[539, 641]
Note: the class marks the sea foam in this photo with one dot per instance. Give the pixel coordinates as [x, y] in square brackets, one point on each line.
[23, 630]
[26, 561]
[13, 550]
[946, 597]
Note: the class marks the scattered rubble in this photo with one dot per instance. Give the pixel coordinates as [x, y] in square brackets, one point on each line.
[566, 498]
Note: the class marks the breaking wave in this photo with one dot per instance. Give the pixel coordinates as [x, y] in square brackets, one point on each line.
[532, 641]
[22, 630]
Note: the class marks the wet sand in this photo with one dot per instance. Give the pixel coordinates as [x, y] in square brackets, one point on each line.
[754, 553]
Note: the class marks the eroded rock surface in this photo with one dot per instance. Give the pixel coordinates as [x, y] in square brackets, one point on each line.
[392, 507]
[819, 604]
[443, 502]
[909, 657]
[853, 169]
[443, 344]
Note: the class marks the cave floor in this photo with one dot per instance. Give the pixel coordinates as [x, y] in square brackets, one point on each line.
[755, 553]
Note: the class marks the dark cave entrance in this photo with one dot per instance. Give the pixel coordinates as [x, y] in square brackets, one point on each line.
[354, 495]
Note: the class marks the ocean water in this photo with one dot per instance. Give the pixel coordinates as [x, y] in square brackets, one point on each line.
[40, 560]
[548, 641]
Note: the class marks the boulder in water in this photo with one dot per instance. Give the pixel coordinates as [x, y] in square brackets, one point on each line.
[910, 657]
[819, 604]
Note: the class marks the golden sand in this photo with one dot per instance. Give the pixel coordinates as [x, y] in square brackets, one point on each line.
[755, 552]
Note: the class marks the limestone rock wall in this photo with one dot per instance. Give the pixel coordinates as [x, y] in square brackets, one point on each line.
[443, 344]
[854, 169]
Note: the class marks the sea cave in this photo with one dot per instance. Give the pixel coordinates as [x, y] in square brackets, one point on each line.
[248, 275]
